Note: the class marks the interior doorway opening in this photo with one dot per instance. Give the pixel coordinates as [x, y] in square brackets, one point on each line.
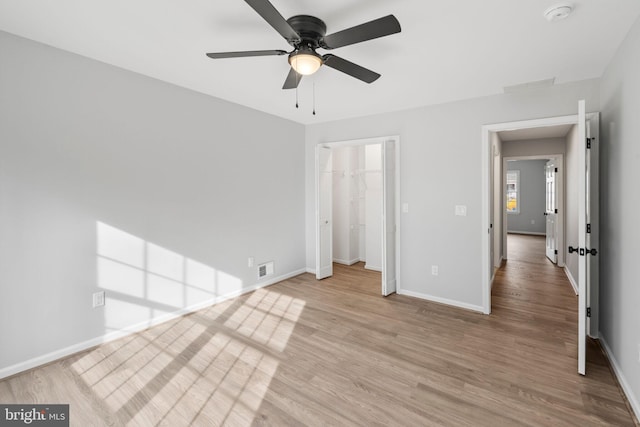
[533, 195]
[582, 157]
[513, 141]
[357, 198]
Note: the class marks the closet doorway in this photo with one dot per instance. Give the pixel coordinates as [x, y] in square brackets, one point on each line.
[357, 190]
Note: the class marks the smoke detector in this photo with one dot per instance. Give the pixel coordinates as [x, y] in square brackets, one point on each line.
[558, 12]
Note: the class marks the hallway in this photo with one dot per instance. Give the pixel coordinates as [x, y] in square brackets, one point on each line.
[533, 295]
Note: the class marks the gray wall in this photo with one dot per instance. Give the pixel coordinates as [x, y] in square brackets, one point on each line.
[619, 207]
[440, 157]
[532, 197]
[94, 158]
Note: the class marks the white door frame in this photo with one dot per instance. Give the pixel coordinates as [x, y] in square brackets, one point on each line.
[559, 158]
[370, 141]
[487, 158]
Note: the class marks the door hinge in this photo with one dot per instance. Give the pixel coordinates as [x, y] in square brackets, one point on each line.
[588, 143]
[556, 170]
[588, 311]
[588, 228]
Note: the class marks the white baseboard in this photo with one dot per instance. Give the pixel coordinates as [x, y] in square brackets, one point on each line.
[573, 282]
[372, 267]
[345, 262]
[439, 300]
[310, 270]
[633, 400]
[495, 270]
[111, 336]
[530, 233]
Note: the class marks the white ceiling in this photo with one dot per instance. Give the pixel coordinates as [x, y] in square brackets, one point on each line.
[448, 50]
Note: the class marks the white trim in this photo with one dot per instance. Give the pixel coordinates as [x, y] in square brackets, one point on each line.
[310, 270]
[573, 282]
[345, 262]
[495, 270]
[486, 159]
[626, 388]
[132, 329]
[528, 233]
[439, 300]
[373, 268]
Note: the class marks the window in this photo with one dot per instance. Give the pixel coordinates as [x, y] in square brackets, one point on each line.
[513, 192]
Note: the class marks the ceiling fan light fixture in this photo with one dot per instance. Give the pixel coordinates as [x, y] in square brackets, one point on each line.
[305, 62]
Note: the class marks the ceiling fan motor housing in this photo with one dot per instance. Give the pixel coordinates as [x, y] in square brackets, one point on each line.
[310, 29]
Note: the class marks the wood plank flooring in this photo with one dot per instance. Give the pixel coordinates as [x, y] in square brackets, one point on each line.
[335, 352]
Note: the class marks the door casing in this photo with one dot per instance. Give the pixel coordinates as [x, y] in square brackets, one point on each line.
[368, 141]
[486, 181]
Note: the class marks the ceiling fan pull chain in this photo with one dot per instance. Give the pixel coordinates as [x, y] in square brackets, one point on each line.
[314, 96]
[297, 84]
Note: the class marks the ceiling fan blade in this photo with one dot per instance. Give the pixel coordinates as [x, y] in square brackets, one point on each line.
[293, 80]
[370, 30]
[273, 18]
[221, 55]
[347, 67]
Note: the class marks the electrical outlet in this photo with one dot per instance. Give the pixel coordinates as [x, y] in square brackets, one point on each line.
[533, 221]
[250, 262]
[98, 299]
[638, 353]
[434, 270]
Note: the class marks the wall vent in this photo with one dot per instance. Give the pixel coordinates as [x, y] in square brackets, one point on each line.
[265, 269]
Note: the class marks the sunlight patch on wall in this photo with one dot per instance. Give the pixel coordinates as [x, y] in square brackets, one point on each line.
[145, 281]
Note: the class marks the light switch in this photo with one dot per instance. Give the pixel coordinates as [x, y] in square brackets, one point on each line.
[405, 208]
[461, 210]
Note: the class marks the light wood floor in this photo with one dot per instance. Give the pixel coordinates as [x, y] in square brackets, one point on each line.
[334, 352]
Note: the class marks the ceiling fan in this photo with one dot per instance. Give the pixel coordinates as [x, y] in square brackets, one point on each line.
[306, 34]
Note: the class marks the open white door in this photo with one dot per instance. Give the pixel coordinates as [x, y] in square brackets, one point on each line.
[587, 228]
[324, 209]
[551, 210]
[389, 218]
